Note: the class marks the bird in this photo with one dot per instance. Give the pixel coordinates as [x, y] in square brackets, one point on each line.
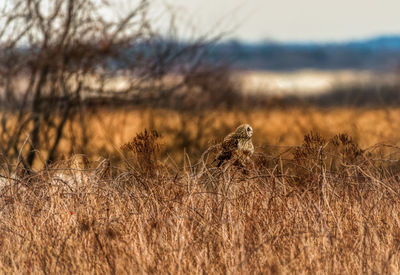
[237, 144]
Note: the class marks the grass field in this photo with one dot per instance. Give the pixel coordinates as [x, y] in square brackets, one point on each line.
[194, 132]
[307, 203]
[112, 129]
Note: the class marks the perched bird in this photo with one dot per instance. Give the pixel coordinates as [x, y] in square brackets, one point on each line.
[236, 144]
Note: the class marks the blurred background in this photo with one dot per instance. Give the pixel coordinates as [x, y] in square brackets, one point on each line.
[84, 76]
[305, 47]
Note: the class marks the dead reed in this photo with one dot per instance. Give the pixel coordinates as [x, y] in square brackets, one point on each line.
[325, 206]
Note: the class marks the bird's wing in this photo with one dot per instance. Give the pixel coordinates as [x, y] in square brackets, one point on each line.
[230, 143]
[228, 146]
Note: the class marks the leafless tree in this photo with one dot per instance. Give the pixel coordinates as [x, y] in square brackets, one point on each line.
[59, 57]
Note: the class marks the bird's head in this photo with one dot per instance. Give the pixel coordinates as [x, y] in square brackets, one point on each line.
[244, 131]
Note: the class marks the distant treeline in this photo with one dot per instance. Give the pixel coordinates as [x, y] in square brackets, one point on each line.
[380, 53]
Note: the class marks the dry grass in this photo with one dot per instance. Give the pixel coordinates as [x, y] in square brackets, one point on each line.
[193, 132]
[328, 205]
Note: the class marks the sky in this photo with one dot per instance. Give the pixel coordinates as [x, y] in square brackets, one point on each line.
[291, 20]
[276, 20]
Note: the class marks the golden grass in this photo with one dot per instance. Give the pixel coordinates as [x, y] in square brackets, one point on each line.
[194, 132]
[321, 207]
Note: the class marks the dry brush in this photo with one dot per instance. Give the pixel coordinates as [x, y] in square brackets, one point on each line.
[325, 206]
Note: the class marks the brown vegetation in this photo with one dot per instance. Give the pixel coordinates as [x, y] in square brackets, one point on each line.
[60, 58]
[193, 132]
[85, 188]
[328, 205]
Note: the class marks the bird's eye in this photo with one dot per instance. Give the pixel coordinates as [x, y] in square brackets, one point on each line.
[248, 129]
